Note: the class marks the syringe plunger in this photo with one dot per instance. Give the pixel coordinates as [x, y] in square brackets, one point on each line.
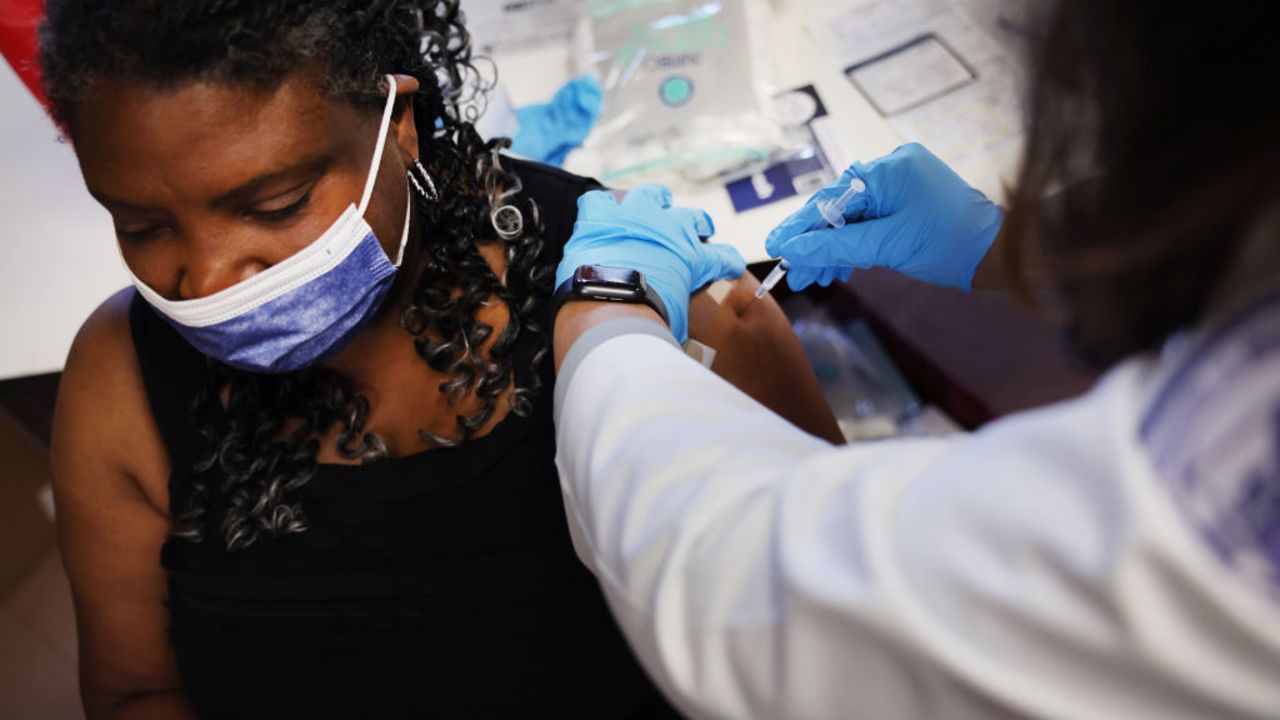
[833, 210]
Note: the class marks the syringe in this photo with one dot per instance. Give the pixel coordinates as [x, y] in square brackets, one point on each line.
[832, 212]
[772, 279]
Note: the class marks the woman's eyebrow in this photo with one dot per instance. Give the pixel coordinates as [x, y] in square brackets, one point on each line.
[114, 203]
[303, 169]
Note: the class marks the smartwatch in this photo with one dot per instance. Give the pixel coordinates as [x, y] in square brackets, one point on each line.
[612, 284]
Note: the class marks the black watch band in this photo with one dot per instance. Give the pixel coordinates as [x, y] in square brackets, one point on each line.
[610, 284]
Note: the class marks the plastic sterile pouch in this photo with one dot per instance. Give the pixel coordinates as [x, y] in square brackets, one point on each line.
[686, 99]
[867, 393]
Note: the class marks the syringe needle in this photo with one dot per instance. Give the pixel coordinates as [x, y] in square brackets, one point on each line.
[832, 211]
[773, 278]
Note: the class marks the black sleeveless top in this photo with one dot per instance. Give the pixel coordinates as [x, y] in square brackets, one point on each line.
[439, 584]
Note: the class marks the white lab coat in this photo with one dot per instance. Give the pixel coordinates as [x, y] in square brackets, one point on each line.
[1038, 567]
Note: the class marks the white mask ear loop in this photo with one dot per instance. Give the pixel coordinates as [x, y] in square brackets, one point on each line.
[372, 177]
[382, 141]
[404, 236]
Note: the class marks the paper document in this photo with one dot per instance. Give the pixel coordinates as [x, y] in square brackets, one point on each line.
[906, 77]
[936, 78]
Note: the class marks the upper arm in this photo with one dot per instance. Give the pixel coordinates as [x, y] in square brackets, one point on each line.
[109, 474]
[758, 352]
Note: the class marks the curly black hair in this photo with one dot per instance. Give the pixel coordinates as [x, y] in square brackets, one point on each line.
[265, 444]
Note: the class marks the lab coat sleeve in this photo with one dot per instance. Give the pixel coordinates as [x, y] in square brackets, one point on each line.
[1031, 568]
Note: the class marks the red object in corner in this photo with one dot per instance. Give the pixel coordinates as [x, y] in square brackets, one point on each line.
[18, 21]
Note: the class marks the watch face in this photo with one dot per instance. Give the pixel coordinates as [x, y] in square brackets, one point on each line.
[602, 282]
[604, 275]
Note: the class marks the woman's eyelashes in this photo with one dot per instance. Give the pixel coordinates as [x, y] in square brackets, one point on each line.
[281, 213]
[140, 233]
[278, 210]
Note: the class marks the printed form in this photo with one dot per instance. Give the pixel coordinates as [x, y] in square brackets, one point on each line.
[936, 78]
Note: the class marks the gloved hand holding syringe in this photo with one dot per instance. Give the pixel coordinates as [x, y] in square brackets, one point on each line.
[832, 212]
[906, 211]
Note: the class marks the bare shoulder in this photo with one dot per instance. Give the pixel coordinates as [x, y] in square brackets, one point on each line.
[102, 418]
[104, 338]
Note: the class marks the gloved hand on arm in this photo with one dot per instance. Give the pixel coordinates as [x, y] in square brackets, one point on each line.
[644, 232]
[915, 216]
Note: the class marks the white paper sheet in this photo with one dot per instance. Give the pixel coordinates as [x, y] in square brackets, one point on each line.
[911, 75]
[910, 58]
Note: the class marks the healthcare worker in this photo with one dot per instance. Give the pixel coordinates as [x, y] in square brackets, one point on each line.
[1114, 556]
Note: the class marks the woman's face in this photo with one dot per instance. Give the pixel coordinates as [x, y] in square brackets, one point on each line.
[209, 184]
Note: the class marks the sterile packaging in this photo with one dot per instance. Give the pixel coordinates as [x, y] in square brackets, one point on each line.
[867, 393]
[686, 94]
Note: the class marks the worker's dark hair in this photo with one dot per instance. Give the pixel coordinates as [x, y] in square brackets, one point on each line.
[350, 45]
[1151, 155]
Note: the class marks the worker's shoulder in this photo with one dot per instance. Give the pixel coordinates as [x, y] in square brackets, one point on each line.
[1212, 432]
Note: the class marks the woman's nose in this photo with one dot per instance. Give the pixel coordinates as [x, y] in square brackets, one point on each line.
[205, 273]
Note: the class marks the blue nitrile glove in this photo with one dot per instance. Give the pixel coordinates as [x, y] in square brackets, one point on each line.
[645, 233]
[916, 216]
[550, 131]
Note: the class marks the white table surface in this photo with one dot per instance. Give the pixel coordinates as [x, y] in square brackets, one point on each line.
[58, 258]
[798, 58]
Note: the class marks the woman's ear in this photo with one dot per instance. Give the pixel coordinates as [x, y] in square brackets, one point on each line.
[403, 129]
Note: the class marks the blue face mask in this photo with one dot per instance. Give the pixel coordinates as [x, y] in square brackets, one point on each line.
[302, 310]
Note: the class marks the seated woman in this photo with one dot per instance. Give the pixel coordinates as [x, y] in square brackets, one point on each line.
[306, 468]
